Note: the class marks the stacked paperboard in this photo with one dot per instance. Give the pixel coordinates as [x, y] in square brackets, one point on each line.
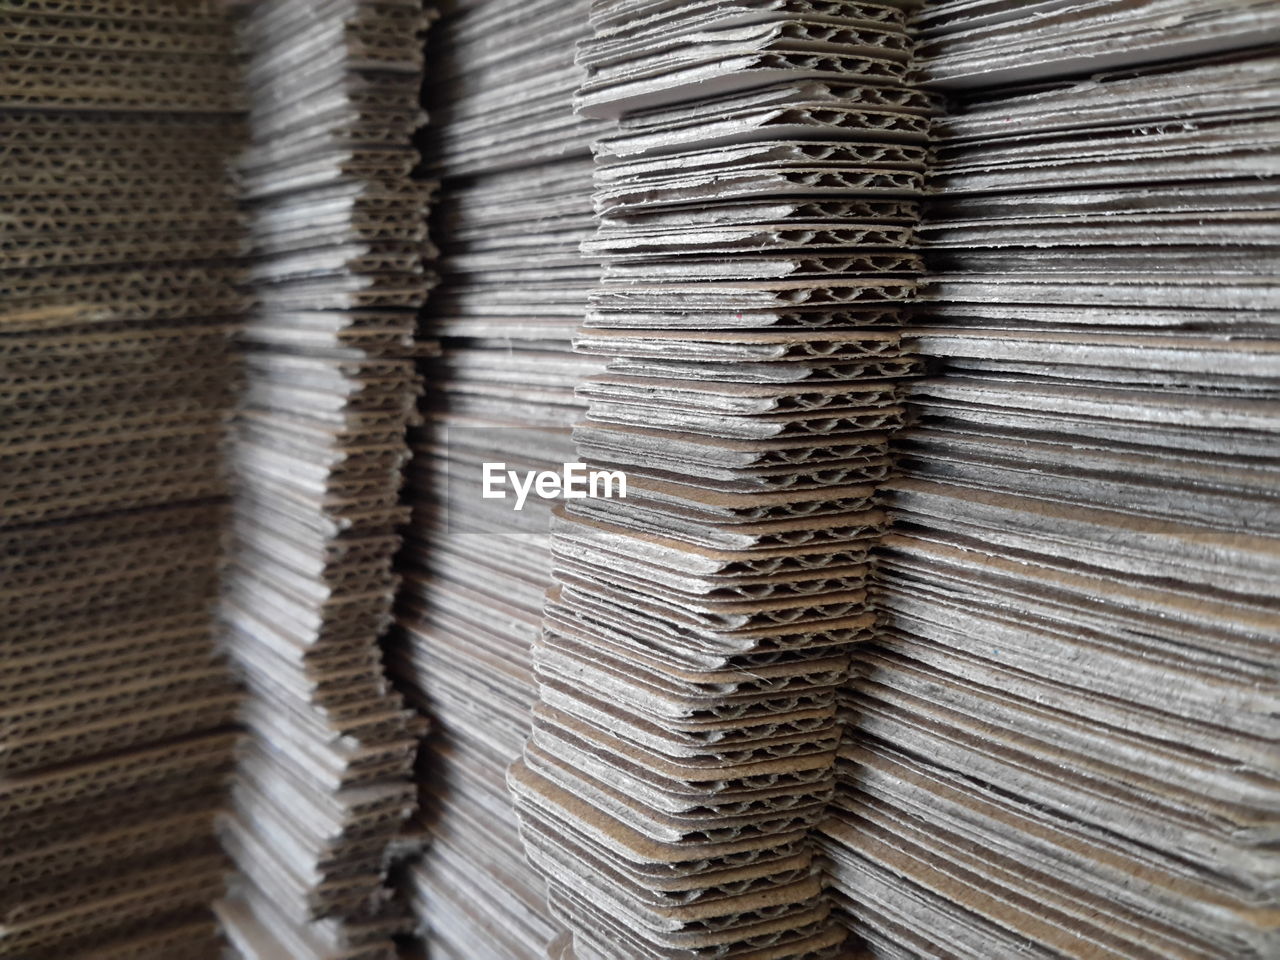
[970, 44]
[118, 264]
[339, 238]
[515, 204]
[1064, 744]
[755, 200]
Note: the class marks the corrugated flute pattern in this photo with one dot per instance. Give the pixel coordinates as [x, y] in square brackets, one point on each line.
[339, 237]
[515, 203]
[118, 267]
[1065, 744]
[756, 200]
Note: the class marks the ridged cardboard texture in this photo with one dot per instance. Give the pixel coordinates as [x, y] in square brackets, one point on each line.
[1062, 742]
[338, 268]
[120, 273]
[515, 204]
[699, 628]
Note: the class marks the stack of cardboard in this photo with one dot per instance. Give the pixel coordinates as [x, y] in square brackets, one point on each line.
[339, 239]
[1064, 744]
[118, 264]
[515, 204]
[971, 44]
[755, 203]
[1018, 698]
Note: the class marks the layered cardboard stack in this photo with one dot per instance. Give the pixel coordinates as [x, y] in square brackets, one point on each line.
[972, 44]
[515, 204]
[755, 203]
[1064, 744]
[339, 238]
[118, 264]
[1019, 699]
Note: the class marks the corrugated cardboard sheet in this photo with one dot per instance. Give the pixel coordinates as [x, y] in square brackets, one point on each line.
[756, 195]
[339, 237]
[936, 340]
[1063, 743]
[119, 263]
[515, 205]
